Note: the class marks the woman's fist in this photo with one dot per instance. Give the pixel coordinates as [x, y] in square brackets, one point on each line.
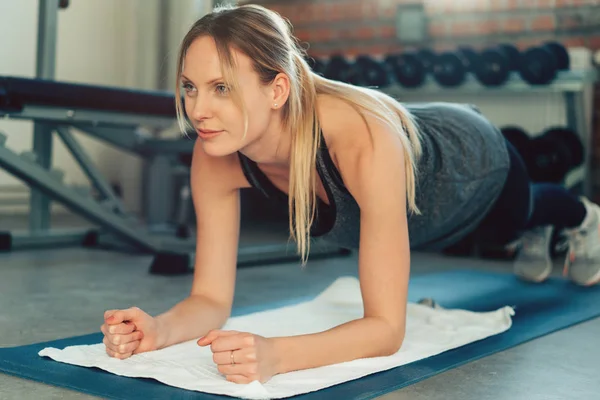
[128, 332]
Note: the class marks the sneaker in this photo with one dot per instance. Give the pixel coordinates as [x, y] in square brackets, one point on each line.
[582, 264]
[533, 262]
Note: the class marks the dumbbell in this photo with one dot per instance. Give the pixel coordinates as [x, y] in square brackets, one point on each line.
[554, 153]
[340, 69]
[539, 65]
[519, 139]
[494, 64]
[316, 64]
[406, 68]
[371, 72]
[448, 69]
[468, 56]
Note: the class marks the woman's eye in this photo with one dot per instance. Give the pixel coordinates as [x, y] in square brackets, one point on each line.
[222, 89]
[188, 87]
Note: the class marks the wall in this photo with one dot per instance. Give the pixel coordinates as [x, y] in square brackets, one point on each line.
[353, 27]
[129, 44]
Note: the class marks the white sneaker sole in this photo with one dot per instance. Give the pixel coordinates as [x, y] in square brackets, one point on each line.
[535, 279]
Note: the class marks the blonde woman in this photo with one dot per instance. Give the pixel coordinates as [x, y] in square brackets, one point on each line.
[356, 167]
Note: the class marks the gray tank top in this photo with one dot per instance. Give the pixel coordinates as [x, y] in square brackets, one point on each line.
[460, 174]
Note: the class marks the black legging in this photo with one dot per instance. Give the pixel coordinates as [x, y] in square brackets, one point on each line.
[523, 205]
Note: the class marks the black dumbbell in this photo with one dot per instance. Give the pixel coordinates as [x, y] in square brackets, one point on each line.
[494, 64]
[554, 153]
[427, 57]
[340, 69]
[468, 56]
[539, 65]
[371, 72]
[406, 68]
[316, 64]
[448, 69]
[519, 139]
[563, 60]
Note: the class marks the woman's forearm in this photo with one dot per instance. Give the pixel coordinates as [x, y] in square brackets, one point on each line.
[190, 319]
[361, 338]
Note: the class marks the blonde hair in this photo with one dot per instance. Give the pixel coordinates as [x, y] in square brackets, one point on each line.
[266, 37]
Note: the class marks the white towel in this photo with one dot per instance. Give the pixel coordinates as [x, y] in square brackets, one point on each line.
[430, 331]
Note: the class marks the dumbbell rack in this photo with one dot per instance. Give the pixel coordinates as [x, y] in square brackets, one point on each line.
[572, 84]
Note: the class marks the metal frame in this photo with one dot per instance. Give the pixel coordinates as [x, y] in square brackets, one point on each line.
[39, 217]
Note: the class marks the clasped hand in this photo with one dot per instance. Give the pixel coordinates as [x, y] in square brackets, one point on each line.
[242, 357]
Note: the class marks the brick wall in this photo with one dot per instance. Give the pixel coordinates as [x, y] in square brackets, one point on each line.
[368, 26]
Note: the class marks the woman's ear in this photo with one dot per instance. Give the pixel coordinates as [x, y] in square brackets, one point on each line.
[281, 90]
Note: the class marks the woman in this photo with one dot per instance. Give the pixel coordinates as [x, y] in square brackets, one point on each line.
[355, 167]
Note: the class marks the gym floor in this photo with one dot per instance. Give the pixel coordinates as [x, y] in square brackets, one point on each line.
[51, 294]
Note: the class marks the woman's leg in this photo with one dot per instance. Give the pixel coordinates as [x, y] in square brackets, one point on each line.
[531, 212]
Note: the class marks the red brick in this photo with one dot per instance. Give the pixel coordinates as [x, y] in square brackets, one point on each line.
[524, 44]
[563, 3]
[345, 34]
[569, 22]
[303, 35]
[501, 5]
[485, 27]
[437, 29]
[319, 12]
[365, 33]
[594, 44]
[387, 32]
[574, 42]
[352, 10]
[584, 2]
[460, 28]
[513, 24]
[370, 9]
[321, 34]
[543, 23]
[335, 12]
[546, 3]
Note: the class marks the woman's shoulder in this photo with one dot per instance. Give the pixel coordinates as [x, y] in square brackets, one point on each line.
[342, 125]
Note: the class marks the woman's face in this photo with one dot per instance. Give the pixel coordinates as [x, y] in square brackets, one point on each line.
[219, 123]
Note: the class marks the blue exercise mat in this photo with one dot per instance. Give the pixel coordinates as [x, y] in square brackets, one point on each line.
[540, 310]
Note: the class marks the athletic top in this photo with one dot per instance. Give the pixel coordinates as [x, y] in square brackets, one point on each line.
[461, 173]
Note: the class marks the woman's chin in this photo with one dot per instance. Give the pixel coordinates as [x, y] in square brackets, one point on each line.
[218, 149]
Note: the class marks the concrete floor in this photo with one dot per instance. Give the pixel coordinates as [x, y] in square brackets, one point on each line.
[51, 294]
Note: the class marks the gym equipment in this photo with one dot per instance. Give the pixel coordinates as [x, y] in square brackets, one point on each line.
[538, 66]
[553, 154]
[468, 56]
[561, 54]
[512, 54]
[316, 64]
[541, 64]
[519, 138]
[130, 120]
[406, 68]
[493, 67]
[540, 310]
[340, 69]
[371, 73]
[448, 70]
[428, 58]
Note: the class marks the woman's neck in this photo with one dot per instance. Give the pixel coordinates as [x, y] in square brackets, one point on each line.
[272, 147]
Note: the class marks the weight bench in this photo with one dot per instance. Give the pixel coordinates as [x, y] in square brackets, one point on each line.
[128, 119]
